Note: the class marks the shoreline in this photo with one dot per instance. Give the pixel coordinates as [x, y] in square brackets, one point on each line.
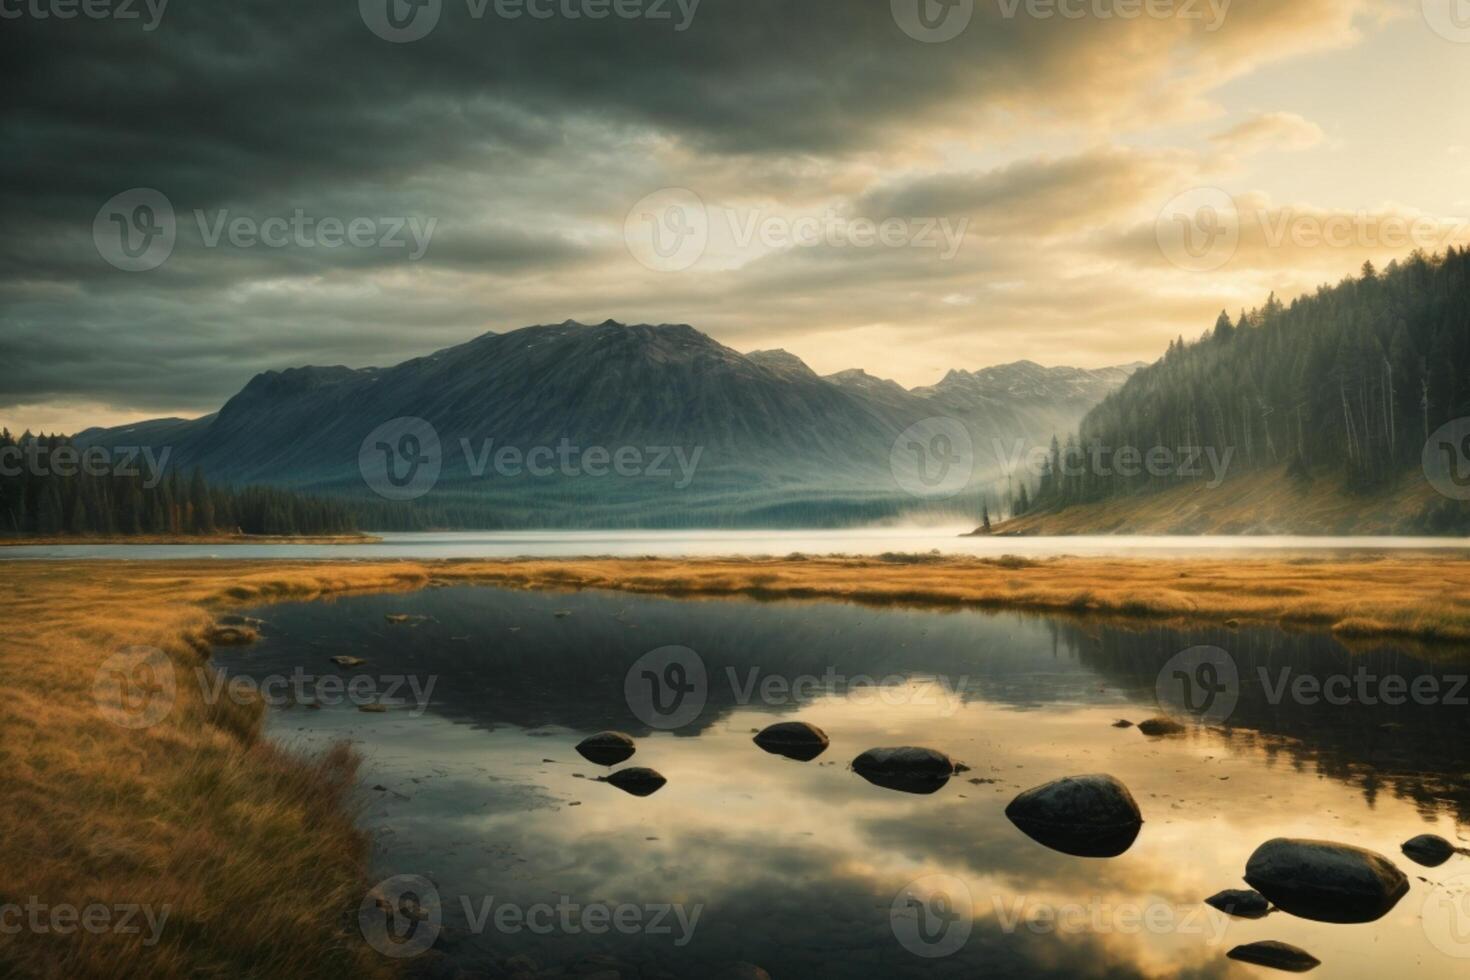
[203, 815]
[124, 539]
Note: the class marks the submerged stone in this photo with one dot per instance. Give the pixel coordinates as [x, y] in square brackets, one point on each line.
[1242, 902]
[794, 740]
[1085, 816]
[1324, 881]
[1161, 726]
[638, 782]
[607, 748]
[1276, 955]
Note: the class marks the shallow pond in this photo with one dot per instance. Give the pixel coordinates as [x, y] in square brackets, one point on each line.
[498, 843]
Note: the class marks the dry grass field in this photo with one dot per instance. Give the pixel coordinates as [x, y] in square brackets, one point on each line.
[254, 852]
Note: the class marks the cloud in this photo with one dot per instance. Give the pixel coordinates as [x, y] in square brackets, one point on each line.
[1269, 131]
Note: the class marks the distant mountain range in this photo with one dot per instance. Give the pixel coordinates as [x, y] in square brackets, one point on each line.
[760, 439]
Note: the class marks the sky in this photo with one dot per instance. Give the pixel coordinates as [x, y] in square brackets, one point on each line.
[196, 192]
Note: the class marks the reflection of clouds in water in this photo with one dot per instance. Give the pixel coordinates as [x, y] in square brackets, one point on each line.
[798, 863]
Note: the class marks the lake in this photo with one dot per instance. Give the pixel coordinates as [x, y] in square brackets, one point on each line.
[850, 541]
[496, 842]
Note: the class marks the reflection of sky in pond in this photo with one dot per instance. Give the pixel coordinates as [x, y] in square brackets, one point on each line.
[796, 865]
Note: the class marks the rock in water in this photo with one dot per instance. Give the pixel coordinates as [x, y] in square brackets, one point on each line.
[907, 769]
[1324, 881]
[1161, 726]
[1241, 902]
[794, 739]
[1278, 956]
[607, 748]
[638, 782]
[1085, 816]
[1429, 850]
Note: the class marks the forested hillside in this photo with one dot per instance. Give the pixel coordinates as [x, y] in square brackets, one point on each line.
[1345, 384]
[43, 493]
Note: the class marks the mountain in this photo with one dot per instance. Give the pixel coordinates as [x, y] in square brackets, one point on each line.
[745, 439]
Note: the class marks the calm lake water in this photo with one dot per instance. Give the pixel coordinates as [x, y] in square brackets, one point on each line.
[850, 541]
[522, 861]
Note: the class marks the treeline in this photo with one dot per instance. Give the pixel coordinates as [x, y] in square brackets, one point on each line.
[1350, 381]
[43, 494]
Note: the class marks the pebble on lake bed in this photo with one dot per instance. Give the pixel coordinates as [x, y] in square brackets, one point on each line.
[794, 740]
[1430, 850]
[1276, 955]
[638, 782]
[906, 769]
[607, 748]
[1241, 902]
[1161, 726]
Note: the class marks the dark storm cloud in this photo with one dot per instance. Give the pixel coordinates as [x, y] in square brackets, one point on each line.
[524, 141]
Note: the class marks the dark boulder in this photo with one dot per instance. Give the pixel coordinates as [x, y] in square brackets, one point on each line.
[1240, 902]
[1085, 816]
[1324, 881]
[607, 748]
[906, 769]
[793, 739]
[1429, 850]
[638, 782]
[1276, 955]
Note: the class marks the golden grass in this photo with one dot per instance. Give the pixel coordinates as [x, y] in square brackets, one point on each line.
[1267, 502]
[255, 852]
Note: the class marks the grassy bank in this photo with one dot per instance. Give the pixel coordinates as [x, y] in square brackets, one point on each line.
[1269, 502]
[254, 852]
